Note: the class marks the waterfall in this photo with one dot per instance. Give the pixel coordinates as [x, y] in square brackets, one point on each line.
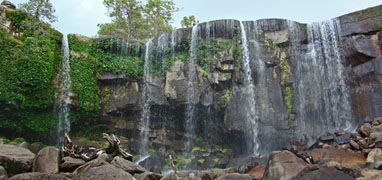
[251, 115]
[145, 106]
[191, 94]
[321, 88]
[61, 109]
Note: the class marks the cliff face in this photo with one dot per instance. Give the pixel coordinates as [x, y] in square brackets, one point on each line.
[192, 84]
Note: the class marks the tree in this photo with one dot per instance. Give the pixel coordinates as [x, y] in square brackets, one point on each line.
[134, 20]
[189, 21]
[158, 14]
[41, 9]
[126, 14]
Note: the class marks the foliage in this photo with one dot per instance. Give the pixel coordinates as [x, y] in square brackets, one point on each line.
[217, 160]
[151, 150]
[19, 140]
[200, 141]
[41, 9]
[227, 95]
[223, 150]
[5, 140]
[201, 161]
[134, 20]
[197, 149]
[189, 21]
[287, 89]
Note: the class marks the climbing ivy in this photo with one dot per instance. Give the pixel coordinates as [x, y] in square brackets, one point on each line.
[29, 63]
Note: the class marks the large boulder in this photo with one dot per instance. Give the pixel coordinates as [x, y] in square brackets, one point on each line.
[283, 165]
[38, 176]
[154, 163]
[108, 172]
[127, 166]
[3, 173]
[89, 165]
[370, 174]
[69, 164]
[344, 158]
[375, 158]
[235, 176]
[317, 173]
[148, 176]
[47, 161]
[15, 159]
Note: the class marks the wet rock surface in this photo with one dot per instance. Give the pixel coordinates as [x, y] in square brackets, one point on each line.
[15, 159]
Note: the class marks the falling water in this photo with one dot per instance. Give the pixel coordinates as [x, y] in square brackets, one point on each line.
[249, 87]
[62, 108]
[145, 106]
[322, 91]
[191, 94]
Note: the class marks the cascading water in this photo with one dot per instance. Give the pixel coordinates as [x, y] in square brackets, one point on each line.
[62, 108]
[145, 106]
[321, 89]
[191, 94]
[251, 115]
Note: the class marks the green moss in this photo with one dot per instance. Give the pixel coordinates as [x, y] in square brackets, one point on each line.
[287, 89]
[197, 149]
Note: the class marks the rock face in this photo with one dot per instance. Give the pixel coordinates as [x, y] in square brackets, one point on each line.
[315, 172]
[15, 159]
[283, 166]
[127, 166]
[46, 161]
[292, 65]
[346, 159]
[69, 164]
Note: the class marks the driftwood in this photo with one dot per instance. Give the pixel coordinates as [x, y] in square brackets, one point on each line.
[74, 151]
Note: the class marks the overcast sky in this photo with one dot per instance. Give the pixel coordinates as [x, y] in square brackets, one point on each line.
[82, 16]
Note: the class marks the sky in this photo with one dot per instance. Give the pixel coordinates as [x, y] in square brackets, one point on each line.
[82, 16]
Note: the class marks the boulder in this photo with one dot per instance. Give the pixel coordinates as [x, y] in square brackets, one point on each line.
[25, 145]
[89, 165]
[375, 158]
[370, 174]
[283, 165]
[317, 173]
[38, 176]
[154, 163]
[235, 176]
[8, 4]
[47, 161]
[344, 158]
[69, 164]
[128, 166]
[108, 172]
[148, 176]
[3, 173]
[375, 139]
[36, 147]
[365, 129]
[204, 175]
[15, 159]
[258, 171]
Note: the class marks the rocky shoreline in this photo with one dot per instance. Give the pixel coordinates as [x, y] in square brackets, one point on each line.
[339, 155]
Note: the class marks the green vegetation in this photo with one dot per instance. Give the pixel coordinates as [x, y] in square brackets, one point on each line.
[197, 149]
[30, 61]
[287, 89]
[188, 21]
[223, 150]
[40, 9]
[201, 161]
[134, 20]
[200, 141]
[151, 150]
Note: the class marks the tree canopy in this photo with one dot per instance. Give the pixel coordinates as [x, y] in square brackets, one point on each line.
[41, 9]
[133, 19]
[189, 21]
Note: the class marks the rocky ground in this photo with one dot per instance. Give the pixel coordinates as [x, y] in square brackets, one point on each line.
[339, 155]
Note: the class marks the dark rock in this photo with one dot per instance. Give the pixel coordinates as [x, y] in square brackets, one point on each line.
[223, 161]
[8, 4]
[105, 157]
[209, 163]
[25, 145]
[283, 165]
[36, 147]
[15, 159]
[154, 163]
[343, 138]
[318, 173]
[201, 175]
[377, 121]
[47, 161]
[38, 176]
[127, 166]
[3, 173]
[235, 176]
[363, 21]
[148, 176]
[104, 172]
[70, 164]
